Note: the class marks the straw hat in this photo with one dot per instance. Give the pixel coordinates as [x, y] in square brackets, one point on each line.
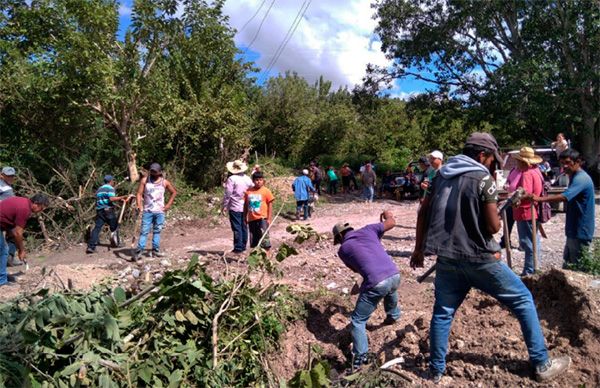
[527, 155]
[236, 167]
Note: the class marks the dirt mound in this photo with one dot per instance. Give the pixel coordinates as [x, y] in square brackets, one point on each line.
[485, 346]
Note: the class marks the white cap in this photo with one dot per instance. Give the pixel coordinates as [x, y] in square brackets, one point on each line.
[305, 172]
[437, 155]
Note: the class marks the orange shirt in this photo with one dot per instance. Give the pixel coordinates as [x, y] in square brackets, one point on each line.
[258, 200]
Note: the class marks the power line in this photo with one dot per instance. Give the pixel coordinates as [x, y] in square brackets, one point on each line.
[259, 27]
[253, 16]
[287, 38]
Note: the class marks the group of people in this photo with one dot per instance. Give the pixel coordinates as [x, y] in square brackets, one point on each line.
[457, 220]
[368, 179]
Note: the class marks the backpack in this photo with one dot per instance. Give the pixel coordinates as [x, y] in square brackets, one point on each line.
[544, 209]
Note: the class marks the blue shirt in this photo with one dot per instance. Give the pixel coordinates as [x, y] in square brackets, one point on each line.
[580, 207]
[103, 195]
[301, 187]
[362, 252]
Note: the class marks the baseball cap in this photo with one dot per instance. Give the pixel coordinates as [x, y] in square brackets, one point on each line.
[155, 167]
[437, 155]
[338, 229]
[108, 178]
[486, 140]
[9, 171]
[305, 172]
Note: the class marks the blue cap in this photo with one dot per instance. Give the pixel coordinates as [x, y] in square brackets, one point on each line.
[108, 178]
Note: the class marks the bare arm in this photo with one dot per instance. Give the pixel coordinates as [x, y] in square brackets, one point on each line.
[388, 220]
[18, 235]
[549, 198]
[245, 216]
[171, 189]
[490, 214]
[140, 193]
[269, 212]
[417, 257]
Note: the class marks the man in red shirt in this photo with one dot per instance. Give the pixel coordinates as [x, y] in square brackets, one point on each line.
[14, 213]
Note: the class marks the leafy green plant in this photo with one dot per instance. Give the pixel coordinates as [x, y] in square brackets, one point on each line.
[590, 260]
[316, 374]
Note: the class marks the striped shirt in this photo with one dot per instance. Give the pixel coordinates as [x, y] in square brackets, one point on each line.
[103, 195]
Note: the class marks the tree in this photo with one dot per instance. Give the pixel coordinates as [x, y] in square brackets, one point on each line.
[535, 61]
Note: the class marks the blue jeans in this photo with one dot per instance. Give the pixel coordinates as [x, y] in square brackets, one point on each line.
[455, 278]
[154, 221]
[3, 259]
[369, 193]
[574, 249]
[526, 242]
[240, 230]
[367, 303]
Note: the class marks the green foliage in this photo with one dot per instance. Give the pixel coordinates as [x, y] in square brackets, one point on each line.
[163, 339]
[316, 374]
[589, 261]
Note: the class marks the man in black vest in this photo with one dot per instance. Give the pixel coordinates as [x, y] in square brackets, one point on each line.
[456, 222]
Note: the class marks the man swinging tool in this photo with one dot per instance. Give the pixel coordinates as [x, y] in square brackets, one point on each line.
[456, 222]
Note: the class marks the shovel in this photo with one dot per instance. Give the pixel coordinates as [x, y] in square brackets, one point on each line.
[114, 236]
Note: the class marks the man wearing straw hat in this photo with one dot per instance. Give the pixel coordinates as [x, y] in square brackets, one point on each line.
[531, 181]
[236, 185]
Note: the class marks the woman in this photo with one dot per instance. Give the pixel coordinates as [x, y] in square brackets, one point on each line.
[532, 182]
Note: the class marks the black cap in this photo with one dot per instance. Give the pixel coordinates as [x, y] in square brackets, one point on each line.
[486, 140]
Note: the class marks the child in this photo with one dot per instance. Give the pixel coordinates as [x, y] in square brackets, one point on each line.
[258, 210]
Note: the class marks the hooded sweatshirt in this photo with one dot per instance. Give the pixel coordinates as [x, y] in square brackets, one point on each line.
[456, 225]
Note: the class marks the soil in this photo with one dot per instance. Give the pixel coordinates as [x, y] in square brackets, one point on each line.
[485, 347]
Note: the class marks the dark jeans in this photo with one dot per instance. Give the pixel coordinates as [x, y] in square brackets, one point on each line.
[257, 228]
[332, 187]
[317, 184]
[302, 206]
[240, 231]
[103, 216]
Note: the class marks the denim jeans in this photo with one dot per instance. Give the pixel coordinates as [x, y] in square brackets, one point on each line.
[257, 229]
[302, 207]
[332, 187]
[369, 193]
[103, 216]
[240, 231]
[526, 242]
[455, 278]
[154, 221]
[367, 303]
[3, 259]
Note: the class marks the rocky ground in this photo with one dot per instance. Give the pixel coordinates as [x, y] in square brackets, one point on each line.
[486, 348]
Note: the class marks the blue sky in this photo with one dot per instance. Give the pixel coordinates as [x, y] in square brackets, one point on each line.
[334, 38]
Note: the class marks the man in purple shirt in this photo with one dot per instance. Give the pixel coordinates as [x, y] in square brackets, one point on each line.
[236, 186]
[363, 253]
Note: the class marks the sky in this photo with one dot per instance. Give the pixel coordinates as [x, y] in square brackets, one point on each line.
[333, 38]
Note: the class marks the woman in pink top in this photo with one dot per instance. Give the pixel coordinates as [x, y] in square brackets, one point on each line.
[532, 182]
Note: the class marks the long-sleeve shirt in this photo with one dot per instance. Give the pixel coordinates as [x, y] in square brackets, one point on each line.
[235, 188]
[302, 186]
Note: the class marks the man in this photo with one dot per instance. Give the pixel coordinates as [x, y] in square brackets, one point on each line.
[580, 223]
[362, 252]
[7, 178]
[151, 201]
[14, 213]
[233, 202]
[369, 179]
[105, 212]
[459, 217]
[435, 159]
[302, 188]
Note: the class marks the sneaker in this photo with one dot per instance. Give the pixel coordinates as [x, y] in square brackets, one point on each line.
[90, 250]
[389, 320]
[434, 377]
[13, 262]
[552, 368]
[360, 360]
[11, 278]
[157, 253]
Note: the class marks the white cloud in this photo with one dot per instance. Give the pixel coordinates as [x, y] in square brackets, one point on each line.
[124, 10]
[334, 38]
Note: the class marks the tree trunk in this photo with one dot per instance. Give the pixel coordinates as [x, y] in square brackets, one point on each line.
[130, 154]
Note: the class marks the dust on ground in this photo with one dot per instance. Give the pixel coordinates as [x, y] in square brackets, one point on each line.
[485, 348]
